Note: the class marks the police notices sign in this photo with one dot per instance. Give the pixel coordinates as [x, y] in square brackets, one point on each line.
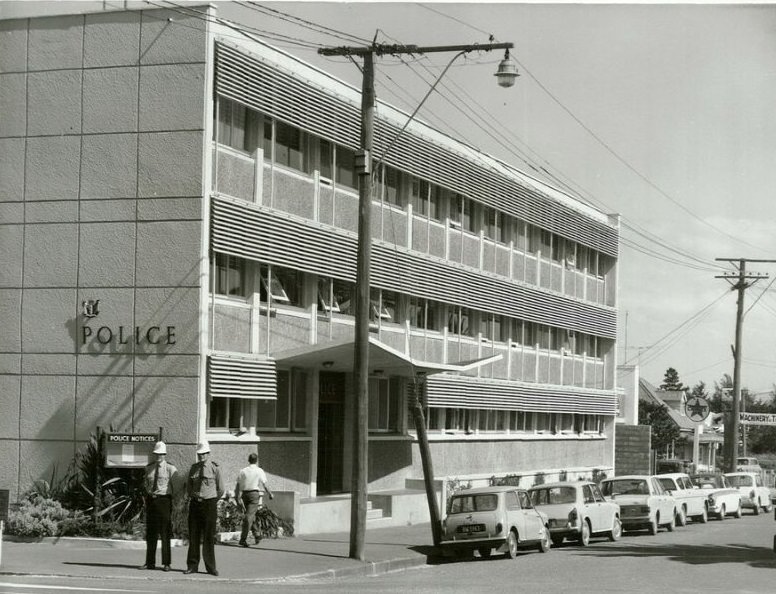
[129, 450]
[757, 419]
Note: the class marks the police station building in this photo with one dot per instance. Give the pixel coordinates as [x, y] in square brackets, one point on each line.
[178, 246]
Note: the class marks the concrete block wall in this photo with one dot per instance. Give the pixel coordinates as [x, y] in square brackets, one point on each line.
[632, 451]
[101, 193]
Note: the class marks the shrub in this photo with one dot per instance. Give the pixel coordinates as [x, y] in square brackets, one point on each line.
[511, 480]
[37, 516]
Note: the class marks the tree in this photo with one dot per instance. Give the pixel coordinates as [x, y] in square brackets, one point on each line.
[664, 430]
[671, 380]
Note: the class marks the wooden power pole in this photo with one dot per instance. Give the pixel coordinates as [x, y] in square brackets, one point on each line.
[359, 480]
[743, 281]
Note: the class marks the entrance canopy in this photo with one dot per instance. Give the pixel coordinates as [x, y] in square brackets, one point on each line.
[338, 356]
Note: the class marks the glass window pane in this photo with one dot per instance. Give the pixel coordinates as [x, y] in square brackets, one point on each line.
[300, 401]
[265, 414]
[288, 145]
[284, 400]
[218, 412]
[346, 167]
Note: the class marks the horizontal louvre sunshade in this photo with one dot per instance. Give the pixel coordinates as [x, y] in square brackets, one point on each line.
[263, 86]
[251, 232]
[232, 377]
[445, 391]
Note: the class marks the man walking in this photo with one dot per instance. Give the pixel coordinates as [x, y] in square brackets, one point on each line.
[159, 485]
[249, 491]
[204, 488]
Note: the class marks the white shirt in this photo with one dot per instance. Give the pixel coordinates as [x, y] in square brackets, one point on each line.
[252, 478]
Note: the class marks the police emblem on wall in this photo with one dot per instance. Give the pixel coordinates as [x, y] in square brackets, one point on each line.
[90, 307]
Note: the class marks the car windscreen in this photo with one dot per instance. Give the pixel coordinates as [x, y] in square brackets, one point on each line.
[461, 504]
[740, 481]
[668, 484]
[553, 495]
[625, 487]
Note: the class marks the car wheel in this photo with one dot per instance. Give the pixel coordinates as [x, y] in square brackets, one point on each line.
[484, 552]
[672, 524]
[557, 540]
[756, 509]
[722, 512]
[739, 511]
[511, 545]
[681, 517]
[584, 534]
[616, 532]
[704, 517]
[768, 508]
[544, 543]
[653, 526]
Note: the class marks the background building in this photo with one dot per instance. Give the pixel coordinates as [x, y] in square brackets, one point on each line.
[179, 208]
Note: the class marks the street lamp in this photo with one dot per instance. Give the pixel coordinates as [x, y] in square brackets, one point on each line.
[507, 71]
[359, 482]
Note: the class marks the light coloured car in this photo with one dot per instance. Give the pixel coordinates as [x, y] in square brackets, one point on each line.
[643, 502]
[487, 518]
[746, 464]
[721, 499]
[577, 510]
[754, 494]
[692, 502]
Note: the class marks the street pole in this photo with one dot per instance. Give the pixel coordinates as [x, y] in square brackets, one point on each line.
[740, 285]
[359, 479]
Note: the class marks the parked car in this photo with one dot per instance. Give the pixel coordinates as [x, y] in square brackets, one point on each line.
[721, 499]
[487, 518]
[577, 510]
[746, 464]
[754, 494]
[692, 502]
[643, 502]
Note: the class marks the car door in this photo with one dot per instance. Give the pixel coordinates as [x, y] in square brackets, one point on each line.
[533, 526]
[665, 502]
[590, 508]
[606, 510]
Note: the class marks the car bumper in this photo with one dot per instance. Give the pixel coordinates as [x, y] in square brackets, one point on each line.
[631, 521]
[471, 544]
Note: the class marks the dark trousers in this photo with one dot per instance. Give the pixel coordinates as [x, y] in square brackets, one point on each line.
[252, 503]
[158, 526]
[202, 531]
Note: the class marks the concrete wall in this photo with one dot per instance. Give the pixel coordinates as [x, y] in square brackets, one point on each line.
[632, 451]
[101, 144]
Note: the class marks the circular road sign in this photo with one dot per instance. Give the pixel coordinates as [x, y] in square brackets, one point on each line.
[697, 409]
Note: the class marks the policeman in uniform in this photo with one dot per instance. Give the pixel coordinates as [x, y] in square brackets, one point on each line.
[249, 491]
[159, 484]
[204, 488]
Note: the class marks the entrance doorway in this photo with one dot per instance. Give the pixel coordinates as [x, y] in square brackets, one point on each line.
[331, 426]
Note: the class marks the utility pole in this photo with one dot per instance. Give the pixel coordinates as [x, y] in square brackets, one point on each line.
[739, 285]
[506, 74]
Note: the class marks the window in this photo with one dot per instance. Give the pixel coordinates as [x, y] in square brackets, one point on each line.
[327, 300]
[545, 243]
[459, 419]
[462, 213]
[545, 422]
[272, 286]
[388, 185]
[530, 334]
[459, 320]
[491, 326]
[378, 309]
[345, 167]
[495, 224]
[325, 158]
[289, 411]
[282, 284]
[229, 276]
[238, 126]
[288, 146]
[425, 198]
[544, 335]
[389, 301]
[384, 404]
[492, 420]
[423, 313]
[344, 295]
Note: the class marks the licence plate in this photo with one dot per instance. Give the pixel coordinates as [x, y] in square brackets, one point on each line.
[470, 528]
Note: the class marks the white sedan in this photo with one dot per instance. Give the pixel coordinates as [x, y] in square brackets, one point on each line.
[577, 510]
[754, 494]
[643, 501]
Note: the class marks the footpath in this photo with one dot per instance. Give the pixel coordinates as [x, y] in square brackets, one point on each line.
[312, 556]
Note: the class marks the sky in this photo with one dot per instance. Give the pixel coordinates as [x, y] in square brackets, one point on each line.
[661, 113]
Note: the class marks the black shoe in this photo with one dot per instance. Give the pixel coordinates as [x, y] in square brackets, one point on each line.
[242, 543]
[213, 572]
[166, 568]
[190, 570]
[147, 567]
